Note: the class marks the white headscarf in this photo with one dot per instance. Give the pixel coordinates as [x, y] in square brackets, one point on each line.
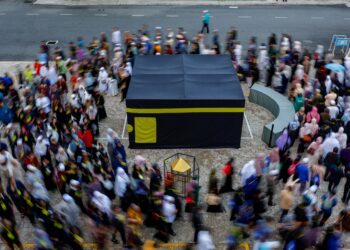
[342, 138]
[328, 84]
[314, 126]
[128, 68]
[52, 75]
[247, 171]
[102, 75]
[320, 50]
[122, 180]
[102, 202]
[41, 146]
[139, 160]
[169, 208]
[40, 192]
[299, 73]
[205, 241]
[69, 210]
[34, 175]
[329, 144]
[61, 155]
[111, 135]
[238, 53]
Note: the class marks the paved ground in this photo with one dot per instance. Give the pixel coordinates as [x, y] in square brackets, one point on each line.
[207, 159]
[24, 25]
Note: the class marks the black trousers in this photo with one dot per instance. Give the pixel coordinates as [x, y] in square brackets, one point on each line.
[346, 193]
[205, 26]
[119, 226]
[332, 186]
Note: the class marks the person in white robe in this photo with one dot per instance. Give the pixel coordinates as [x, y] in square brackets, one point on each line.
[329, 144]
[102, 80]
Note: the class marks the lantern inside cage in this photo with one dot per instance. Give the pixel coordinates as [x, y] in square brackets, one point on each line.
[183, 169]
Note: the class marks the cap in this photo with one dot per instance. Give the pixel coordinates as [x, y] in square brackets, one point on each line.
[74, 182]
[27, 108]
[306, 160]
[61, 167]
[313, 188]
[67, 198]
[274, 172]
[31, 167]
[9, 125]
[169, 198]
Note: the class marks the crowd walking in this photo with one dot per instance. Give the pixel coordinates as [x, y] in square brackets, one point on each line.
[51, 114]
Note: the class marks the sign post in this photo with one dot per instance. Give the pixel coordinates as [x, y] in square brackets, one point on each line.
[343, 43]
[334, 37]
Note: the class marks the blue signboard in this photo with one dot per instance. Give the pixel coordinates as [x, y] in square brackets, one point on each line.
[341, 42]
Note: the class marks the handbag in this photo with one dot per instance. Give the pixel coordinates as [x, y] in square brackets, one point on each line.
[291, 169]
[213, 199]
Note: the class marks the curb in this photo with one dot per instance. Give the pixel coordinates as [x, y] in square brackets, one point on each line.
[185, 3]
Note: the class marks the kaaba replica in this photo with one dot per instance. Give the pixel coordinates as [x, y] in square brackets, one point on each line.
[184, 101]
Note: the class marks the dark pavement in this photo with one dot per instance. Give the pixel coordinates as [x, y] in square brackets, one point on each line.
[23, 26]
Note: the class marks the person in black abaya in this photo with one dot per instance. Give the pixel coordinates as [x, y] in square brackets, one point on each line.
[100, 103]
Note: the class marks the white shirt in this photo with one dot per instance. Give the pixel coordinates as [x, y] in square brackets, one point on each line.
[41, 148]
[169, 211]
[116, 37]
[247, 171]
[9, 169]
[44, 72]
[333, 111]
[43, 103]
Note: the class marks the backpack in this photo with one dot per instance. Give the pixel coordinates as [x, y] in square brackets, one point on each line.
[292, 168]
[251, 184]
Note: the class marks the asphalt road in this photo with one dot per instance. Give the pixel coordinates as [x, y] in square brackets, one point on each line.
[23, 26]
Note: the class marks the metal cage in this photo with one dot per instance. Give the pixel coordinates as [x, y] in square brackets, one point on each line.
[181, 178]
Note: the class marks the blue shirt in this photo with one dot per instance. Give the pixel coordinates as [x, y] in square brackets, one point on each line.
[328, 203]
[303, 172]
[6, 114]
[206, 18]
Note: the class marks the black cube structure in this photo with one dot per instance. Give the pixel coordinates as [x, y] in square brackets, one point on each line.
[184, 101]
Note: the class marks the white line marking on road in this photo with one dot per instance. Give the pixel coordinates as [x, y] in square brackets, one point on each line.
[317, 17]
[2, 14]
[281, 17]
[137, 15]
[244, 16]
[172, 15]
[233, 7]
[101, 15]
[32, 14]
[66, 14]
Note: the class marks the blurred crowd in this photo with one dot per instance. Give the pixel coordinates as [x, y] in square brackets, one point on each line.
[51, 111]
